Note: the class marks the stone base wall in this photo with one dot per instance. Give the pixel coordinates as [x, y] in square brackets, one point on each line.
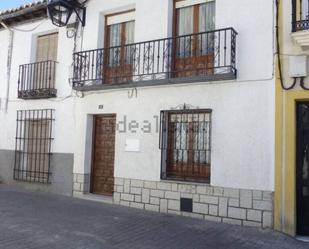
[61, 168]
[81, 183]
[234, 206]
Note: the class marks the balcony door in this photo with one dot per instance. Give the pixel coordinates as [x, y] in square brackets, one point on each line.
[194, 45]
[118, 53]
[46, 55]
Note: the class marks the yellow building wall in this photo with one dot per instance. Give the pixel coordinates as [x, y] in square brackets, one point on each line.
[285, 135]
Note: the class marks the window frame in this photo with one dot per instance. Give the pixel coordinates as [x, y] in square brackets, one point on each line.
[25, 150]
[166, 155]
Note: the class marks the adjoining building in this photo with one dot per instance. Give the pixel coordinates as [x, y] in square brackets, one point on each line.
[292, 119]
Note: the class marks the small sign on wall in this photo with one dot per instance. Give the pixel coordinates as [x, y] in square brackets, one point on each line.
[132, 145]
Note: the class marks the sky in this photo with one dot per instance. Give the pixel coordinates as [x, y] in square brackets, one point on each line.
[6, 4]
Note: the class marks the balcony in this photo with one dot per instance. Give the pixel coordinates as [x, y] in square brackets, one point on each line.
[37, 80]
[206, 56]
[300, 23]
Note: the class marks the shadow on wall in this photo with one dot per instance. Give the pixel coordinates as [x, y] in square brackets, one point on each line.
[61, 178]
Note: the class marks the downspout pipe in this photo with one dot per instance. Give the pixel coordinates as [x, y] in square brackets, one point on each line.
[9, 64]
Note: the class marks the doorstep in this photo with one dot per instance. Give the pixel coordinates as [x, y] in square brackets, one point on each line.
[303, 238]
[94, 197]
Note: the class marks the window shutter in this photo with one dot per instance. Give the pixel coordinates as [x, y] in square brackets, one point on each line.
[47, 47]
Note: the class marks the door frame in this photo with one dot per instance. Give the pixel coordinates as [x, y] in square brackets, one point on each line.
[298, 169]
[94, 132]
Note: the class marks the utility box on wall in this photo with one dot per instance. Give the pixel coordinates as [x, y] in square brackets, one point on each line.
[298, 66]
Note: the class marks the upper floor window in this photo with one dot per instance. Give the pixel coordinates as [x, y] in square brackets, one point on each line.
[47, 47]
[194, 44]
[120, 31]
[196, 18]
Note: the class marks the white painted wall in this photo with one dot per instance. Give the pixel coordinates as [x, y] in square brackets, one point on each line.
[24, 47]
[243, 110]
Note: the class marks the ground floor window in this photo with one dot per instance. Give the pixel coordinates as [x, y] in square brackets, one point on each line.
[186, 145]
[33, 145]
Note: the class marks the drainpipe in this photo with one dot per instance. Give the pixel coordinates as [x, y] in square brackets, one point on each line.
[9, 64]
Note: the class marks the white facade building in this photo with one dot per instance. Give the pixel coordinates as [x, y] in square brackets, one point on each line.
[137, 91]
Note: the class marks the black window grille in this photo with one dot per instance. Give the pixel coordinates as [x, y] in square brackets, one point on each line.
[185, 142]
[33, 145]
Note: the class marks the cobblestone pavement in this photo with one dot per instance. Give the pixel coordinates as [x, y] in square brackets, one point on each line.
[38, 220]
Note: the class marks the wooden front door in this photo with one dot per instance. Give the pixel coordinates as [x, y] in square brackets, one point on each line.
[302, 171]
[194, 45]
[103, 155]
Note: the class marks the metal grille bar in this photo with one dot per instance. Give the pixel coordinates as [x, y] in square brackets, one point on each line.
[33, 145]
[206, 54]
[185, 142]
[300, 15]
[37, 80]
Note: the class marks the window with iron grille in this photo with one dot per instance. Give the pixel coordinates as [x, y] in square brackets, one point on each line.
[185, 142]
[33, 145]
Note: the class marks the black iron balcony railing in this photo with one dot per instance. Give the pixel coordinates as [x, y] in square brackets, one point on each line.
[207, 56]
[37, 80]
[300, 15]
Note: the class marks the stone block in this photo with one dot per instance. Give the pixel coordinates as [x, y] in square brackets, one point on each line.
[116, 198]
[119, 188]
[172, 195]
[212, 218]
[174, 205]
[262, 205]
[119, 181]
[217, 191]
[257, 194]
[163, 206]
[229, 192]
[138, 198]
[200, 208]
[267, 196]
[254, 215]
[145, 195]
[153, 208]
[213, 210]
[164, 186]
[267, 220]
[135, 190]
[127, 185]
[246, 198]
[125, 203]
[232, 221]
[150, 185]
[137, 183]
[187, 188]
[223, 206]
[157, 193]
[174, 187]
[237, 213]
[127, 197]
[137, 205]
[154, 201]
[233, 202]
[193, 215]
[209, 199]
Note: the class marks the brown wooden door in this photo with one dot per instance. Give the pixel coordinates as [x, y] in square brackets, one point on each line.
[194, 48]
[103, 155]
